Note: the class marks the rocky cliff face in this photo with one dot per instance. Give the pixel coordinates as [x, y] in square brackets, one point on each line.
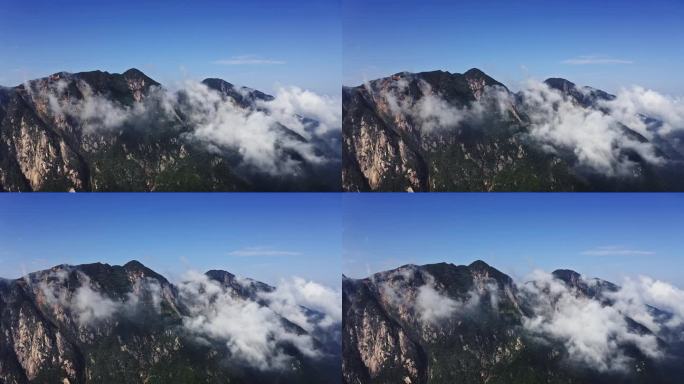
[438, 131]
[442, 323]
[96, 131]
[98, 323]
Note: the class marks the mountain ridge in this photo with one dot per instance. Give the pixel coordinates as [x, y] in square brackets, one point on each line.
[441, 322]
[111, 323]
[95, 130]
[442, 131]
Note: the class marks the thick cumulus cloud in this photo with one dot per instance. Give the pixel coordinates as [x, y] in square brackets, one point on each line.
[596, 137]
[631, 104]
[262, 134]
[294, 298]
[291, 103]
[593, 332]
[257, 333]
[637, 295]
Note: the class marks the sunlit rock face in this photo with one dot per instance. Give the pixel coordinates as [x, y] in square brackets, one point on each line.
[99, 131]
[442, 323]
[97, 323]
[441, 131]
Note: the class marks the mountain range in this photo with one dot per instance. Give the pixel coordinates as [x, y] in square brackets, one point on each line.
[97, 323]
[443, 323]
[442, 131]
[100, 131]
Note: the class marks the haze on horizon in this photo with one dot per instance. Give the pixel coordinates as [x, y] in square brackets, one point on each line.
[608, 236]
[608, 45]
[266, 238]
[263, 44]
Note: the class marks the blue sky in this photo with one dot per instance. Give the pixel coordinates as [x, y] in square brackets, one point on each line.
[603, 43]
[599, 235]
[273, 236]
[262, 236]
[256, 43]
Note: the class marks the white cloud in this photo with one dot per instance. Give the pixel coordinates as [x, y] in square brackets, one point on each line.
[85, 303]
[616, 251]
[146, 291]
[596, 139]
[636, 294]
[632, 103]
[291, 298]
[591, 60]
[261, 251]
[254, 333]
[432, 112]
[593, 333]
[248, 60]
[90, 305]
[92, 112]
[259, 136]
[433, 307]
[435, 113]
[255, 134]
[428, 302]
[291, 102]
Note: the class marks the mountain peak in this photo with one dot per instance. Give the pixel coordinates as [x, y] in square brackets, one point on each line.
[479, 264]
[134, 264]
[79, 322]
[437, 72]
[567, 275]
[219, 275]
[477, 80]
[401, 74]
[560, 84]
[134, 72]
[217, 84]
[137, 267]
[474, 72]
[245, 287]
[244, 96]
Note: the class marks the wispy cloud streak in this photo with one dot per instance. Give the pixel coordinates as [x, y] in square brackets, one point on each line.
[261, 251]
[616, 251]
[592, 60]
[248, 60]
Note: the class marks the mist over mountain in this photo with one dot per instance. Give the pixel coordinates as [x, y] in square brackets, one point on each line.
[96, 323]
[442, 323]
[96, 131]
[441, 131]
